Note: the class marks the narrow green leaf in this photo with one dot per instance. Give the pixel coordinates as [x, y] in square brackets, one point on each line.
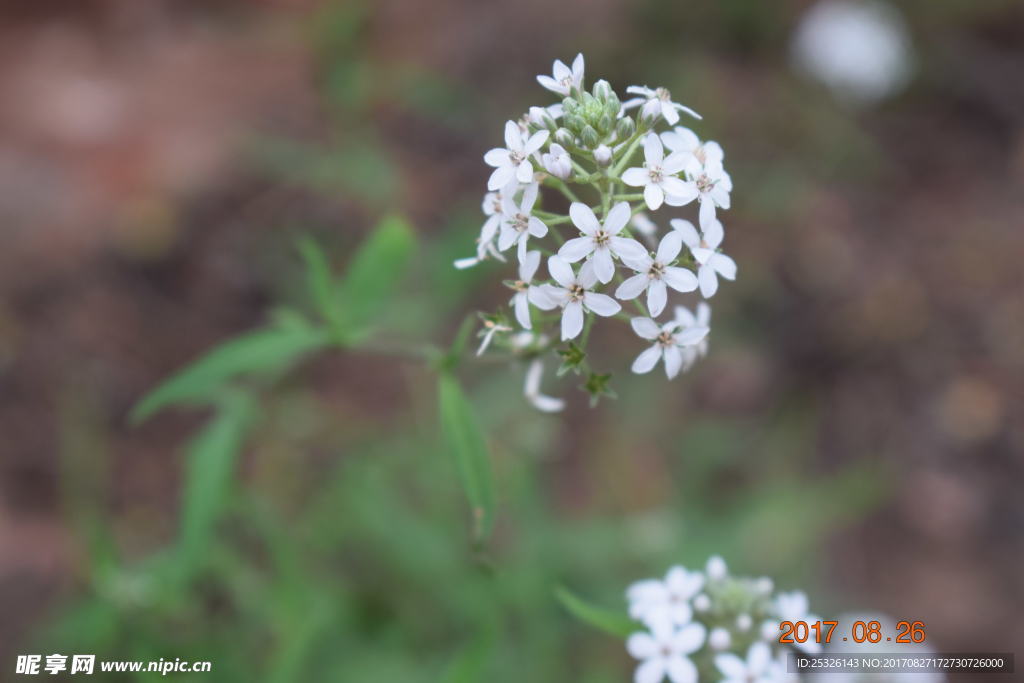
[264, 350]
[609, 621]
[318, 278]
[373, 273]
[209, 468]
[465, 439]
[469, 665]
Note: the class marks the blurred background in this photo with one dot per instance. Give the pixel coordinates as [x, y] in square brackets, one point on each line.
[856, 429]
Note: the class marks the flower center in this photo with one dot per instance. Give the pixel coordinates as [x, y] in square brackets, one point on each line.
[666, 339]
[601, 238]
[705, 184]
[666, 651]
[655, 273]
[655, 173]
[663, 94]
[576, 292]
[520, 222]
[519, 286]
[516, 157]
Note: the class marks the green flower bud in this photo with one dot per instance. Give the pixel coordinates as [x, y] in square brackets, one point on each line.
[603, 90]
[564, 137]
[590, 137]
[573, 122]
[605, 125]
[625, 128]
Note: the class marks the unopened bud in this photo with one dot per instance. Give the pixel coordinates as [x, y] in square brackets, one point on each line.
[603, 155]
[539, 116]
[564, 137]
[603, 90]
[605, 124]
[589, 137]
[625, 128]
[719, 639]
[574, 122]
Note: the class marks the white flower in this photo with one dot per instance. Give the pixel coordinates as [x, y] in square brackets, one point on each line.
[668, 344]
[702, 603]
[531, 390]
[757, 668]
[603, 155]
[520, 300]
[654, 599]
[603, 241]
[681, 139]
[686, 320]
[573, 296]
[709, 183]
[654, 274]
[563, 79]
[859, 49]
[657, 102]
[518, 224]
[492, 329]
[664, 652]
[513, 161]
[658, 175]
[744, 622]
[557, 161]
[793, 606]
[716, 568]
[705, 250]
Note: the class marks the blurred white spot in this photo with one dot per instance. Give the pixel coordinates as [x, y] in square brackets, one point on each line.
[858, 49]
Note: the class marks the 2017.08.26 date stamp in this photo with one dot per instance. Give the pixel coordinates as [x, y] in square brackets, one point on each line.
[824, 632]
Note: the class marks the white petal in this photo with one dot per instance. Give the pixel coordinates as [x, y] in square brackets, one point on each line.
[687, 110]
[529, 198]
[689, 638]
[500, 177]
[513, 138]
[653, 151]
[577, 68]
[464, 263]
[497, 157]
[681, 670]
[650, 671]
[702, 255]
[576, 248]
[713, 233]
[604, 267]
[724, 265]
[675, 162]
[758, 657]
[673, 361]
[524, 172]
[657, 296]
[707, 213]
[684, 583]
[536, 141]
[636, 177]
[536, 227]
[646, 361]
[561, 271]
[602, 304]
[670, 113]
[507, 237]
[632, 288]
[551, 84]
[546, 404]
[628, 249]
[684, 317]
[687, 231]
[543, 298]
[648, 329]
[617, 218]
[533, 377]
[681, 139]
[703, 314]
[680, 193]
[720, 195]
[708, 281]
[583, 218]
[731, 666]
[521, 304]
[691, 335]
[669, 247]
[587, 277]
[653, 196]
[680, 279]
[528, 266]
[572, 320]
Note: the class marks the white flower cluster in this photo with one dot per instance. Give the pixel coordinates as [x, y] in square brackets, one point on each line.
[590, 229]
[711, 626]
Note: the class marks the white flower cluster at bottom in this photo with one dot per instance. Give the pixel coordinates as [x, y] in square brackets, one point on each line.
[711, 626]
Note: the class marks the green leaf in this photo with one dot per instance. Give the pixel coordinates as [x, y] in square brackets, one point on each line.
[610, 621]
[373, 273]
[209, 468]
[264, 350]
[465, 439]
[318, 277]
